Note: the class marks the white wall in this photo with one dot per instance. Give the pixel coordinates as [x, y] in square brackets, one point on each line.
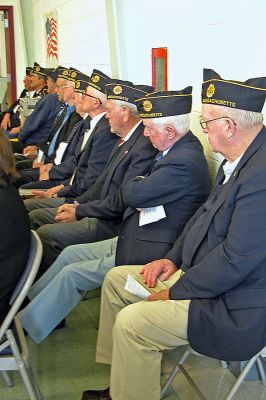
[227, 36]
[82, 33]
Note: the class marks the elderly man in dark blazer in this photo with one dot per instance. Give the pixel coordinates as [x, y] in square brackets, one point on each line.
[177, 183]
[79, 171]
[209, 290]
[94, 215]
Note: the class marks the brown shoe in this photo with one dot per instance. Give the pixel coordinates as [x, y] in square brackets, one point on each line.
[96, 394]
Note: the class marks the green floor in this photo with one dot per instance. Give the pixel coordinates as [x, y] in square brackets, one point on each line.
[64, 366]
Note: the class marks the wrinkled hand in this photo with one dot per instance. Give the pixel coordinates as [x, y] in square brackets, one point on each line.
[37, 164]
[46, 167]
[163, 268]
[5, 121]
[162, 295]
[15, 130]
[30, 151]
[66, 213]
[44, 171]
[47, 193]
[39, 194]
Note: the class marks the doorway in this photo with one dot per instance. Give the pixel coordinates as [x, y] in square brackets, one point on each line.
[8, 87]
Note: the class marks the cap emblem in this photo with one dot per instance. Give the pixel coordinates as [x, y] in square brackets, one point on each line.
[117, 90]
[95, 78]
[210, 90]
[147, 105]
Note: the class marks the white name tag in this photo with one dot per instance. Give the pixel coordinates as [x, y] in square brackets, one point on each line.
[151, 214]
[40, 156]
[60, 152]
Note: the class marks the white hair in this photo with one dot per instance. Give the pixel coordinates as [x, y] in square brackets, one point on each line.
[245, 119]
[99, 95]
[179, 122]
[132, 107]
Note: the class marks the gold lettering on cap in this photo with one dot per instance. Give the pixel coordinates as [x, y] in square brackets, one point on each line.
[77, 85]
[117, 90]
[95, 78]
[65, 72]
[210, 90]
[73, 74]
[147, 105]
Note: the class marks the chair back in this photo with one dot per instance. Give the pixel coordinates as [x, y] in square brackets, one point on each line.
[23, 286]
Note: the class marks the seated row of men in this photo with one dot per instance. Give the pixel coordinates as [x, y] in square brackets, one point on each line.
[127, 203]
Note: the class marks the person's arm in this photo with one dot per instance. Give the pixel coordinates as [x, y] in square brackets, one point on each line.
[239, 252]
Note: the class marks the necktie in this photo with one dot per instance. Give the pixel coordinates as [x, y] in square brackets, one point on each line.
[159, 156]
[51, 148]
[121, 142]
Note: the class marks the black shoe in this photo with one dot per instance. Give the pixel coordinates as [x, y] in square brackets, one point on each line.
[96, 394]
[61, 324]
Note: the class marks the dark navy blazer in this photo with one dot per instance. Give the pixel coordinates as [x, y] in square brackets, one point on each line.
[223, 251]
[180, 182]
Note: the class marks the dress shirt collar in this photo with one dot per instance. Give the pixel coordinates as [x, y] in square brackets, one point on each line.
[229, 168]
[130, 133]
[95, 120]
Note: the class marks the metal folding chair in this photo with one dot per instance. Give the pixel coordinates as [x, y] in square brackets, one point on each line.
[14, 353]
[188, 351]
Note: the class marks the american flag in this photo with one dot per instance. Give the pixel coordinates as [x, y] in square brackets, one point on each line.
[51, 35]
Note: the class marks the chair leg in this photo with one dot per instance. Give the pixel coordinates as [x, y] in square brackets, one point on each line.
[241, 377]
[173, 373]
[33, 395]
[6, 379]
[261, 371]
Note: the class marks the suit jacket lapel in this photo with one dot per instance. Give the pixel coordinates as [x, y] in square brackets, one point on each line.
[123, 153]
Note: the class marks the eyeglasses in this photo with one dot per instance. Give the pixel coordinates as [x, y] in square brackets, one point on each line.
[85, 94]
[203, 123]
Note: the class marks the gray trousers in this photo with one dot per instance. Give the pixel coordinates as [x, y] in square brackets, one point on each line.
[57, 292]
[141, 331]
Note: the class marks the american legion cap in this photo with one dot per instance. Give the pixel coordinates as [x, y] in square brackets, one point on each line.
[52, 73]
[37, 69]
[98, 80]
[165, 103]
[81, 82]
[126, 91]
[249, 95]
[28, 70]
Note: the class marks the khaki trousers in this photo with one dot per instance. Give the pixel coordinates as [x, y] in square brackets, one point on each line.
[140, 332]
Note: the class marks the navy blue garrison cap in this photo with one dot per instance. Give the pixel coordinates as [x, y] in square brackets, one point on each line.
[249, 95]
[165, 104]
[126, 91]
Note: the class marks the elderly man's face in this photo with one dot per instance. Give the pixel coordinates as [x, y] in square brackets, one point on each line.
[115, 115]
[156, 134]
[36, 80]
[214, 129]
[60, 83]
[51, 86]
[27, 82]
[90, 100]
[78, 101]
[68, 92]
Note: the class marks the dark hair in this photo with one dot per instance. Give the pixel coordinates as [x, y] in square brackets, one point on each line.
[8, 172]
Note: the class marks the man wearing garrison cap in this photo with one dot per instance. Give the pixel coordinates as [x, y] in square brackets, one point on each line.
[98, 216]
[176, 185]
[11, 121]
[215, 273]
